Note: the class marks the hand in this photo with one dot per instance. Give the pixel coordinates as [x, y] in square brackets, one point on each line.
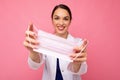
[30, 41]
[79, 56]
[79, 59]
[76, 64]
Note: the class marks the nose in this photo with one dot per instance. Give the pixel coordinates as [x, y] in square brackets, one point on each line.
[61, 22]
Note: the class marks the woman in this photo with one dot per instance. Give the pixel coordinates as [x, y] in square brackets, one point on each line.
[61, 18]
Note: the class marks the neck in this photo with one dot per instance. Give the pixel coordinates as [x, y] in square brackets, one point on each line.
[62, 35]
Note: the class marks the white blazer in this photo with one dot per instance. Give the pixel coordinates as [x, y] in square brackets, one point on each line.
[66, 69]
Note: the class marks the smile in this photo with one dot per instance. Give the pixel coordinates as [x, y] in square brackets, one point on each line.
[61, 28]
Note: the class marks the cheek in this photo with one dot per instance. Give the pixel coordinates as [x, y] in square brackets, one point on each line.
[54, 22]
[67, 24]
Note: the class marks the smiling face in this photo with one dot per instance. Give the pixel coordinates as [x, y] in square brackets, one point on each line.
[61, 21]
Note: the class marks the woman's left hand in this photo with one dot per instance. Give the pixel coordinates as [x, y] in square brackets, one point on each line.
[79, 56]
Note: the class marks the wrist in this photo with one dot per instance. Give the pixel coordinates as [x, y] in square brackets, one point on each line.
[76, 66]
[35, 56]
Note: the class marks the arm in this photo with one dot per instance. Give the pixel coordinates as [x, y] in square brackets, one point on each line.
[79, 65]
[35, 60]
[35, 56]
[30, 42]
[79, 58]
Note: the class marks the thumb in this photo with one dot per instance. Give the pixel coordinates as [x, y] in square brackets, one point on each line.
[30, 27]
[84, 44]
[82, 47]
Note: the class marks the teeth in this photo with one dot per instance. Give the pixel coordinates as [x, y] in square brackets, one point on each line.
[60, 27]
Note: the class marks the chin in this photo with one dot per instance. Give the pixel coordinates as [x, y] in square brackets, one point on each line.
[61, 33]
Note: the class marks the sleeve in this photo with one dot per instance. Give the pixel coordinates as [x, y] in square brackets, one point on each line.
[82, 70]
[35, 65]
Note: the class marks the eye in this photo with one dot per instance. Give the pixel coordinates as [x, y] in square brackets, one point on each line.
[66, 18]
[56, 18]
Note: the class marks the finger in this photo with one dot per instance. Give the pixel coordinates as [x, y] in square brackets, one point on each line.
[31, 34]
[84, 50]
[32, 41]
[82, 47]
[76, 49]
[84, 43]
[78, 55]
[83, 54]
[30, 27]
[80, 59]
[72, 55]
[28, 45]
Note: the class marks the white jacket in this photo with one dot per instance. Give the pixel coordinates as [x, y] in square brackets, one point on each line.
[66, 69]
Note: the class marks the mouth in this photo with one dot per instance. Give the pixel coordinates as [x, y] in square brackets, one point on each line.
[61, 28]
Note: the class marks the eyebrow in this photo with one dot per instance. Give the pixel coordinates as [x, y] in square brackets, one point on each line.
[58, 16]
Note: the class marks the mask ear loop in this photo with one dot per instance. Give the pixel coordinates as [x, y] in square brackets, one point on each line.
[36, 30]
[83, 48]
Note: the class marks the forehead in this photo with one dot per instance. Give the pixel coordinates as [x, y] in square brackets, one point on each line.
[61, 12]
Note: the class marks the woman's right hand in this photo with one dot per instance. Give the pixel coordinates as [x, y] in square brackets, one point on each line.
[30, 41]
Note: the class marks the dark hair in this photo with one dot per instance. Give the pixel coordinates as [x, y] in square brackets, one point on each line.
[63, 7]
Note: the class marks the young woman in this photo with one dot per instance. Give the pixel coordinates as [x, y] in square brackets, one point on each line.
[61, 18]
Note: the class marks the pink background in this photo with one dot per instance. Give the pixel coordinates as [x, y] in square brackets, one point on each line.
[96, 20]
